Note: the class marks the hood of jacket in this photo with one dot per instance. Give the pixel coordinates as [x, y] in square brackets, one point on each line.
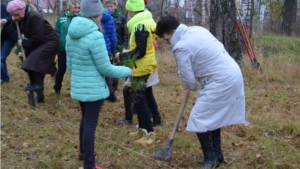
[80, 27]
[106, 16]
[144, 16]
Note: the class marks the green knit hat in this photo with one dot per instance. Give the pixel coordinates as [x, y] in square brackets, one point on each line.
[135, 5]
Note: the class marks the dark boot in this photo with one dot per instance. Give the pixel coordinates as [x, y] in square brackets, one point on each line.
[38, 84]
[39, 97]
[216, 138]
[210, 159]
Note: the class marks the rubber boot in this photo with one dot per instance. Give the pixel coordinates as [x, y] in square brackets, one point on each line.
[38, 84]
[139, 133]
[39, 97]
[147, 138]
[210, 159]
[216, 138]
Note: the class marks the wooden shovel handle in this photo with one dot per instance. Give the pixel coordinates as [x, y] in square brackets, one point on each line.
[20, 38]
[179, 114]
[29, 93]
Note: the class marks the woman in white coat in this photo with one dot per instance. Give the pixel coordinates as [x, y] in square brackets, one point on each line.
[221, 100]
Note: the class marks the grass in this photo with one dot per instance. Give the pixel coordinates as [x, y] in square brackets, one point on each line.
[48, 136]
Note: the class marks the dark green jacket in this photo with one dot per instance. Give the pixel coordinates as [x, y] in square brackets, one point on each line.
[61, 27]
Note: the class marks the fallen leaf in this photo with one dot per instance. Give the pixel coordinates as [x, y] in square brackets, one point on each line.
[71, 141]
[25, 144]
[289, 137]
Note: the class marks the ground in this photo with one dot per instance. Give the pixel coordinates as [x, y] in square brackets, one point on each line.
[47, 137]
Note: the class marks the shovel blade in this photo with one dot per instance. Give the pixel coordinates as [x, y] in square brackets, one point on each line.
[31, 101]
[164, 154]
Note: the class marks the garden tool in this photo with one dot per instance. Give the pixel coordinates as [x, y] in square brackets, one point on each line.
[164, 154]
[246, 40]
[30, 94]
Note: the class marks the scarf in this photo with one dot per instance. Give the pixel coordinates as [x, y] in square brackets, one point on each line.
[116, 13]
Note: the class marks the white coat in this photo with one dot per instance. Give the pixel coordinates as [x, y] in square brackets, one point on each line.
[201, 57]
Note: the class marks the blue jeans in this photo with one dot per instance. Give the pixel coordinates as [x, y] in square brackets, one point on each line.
[90, 114]
[6, 47]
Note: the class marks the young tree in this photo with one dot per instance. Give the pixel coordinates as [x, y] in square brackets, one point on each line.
[223, 26]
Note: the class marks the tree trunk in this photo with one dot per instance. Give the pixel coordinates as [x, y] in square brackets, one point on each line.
[60, 7]
[251, 18]
[223, 26]
[289, 13]
[40, 6]
[207, 10]
[192, 11]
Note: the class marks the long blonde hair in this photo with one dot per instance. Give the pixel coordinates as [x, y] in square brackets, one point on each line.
[97, 21]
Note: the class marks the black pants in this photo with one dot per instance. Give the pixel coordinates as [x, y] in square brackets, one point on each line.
[90, 114]
[115, 84]
[127, 103]
[35, 77]
[151, 102]
[109, 83]
[62, 67]
[140, 106]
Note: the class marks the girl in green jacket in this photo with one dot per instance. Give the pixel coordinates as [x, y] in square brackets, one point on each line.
[61, 27]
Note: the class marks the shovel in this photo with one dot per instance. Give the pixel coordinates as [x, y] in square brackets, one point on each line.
[29, 93]
[164, 154]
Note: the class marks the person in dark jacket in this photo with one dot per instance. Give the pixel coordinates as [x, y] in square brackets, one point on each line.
[61, 27]
[120, 24]
[109, 31]
[122, 35]
[41, 45]
[9, 39]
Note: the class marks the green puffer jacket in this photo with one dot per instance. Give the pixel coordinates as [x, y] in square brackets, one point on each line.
[61, 27]
[88, 62]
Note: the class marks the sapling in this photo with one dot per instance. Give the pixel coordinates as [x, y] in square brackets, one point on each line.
[18, 51]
